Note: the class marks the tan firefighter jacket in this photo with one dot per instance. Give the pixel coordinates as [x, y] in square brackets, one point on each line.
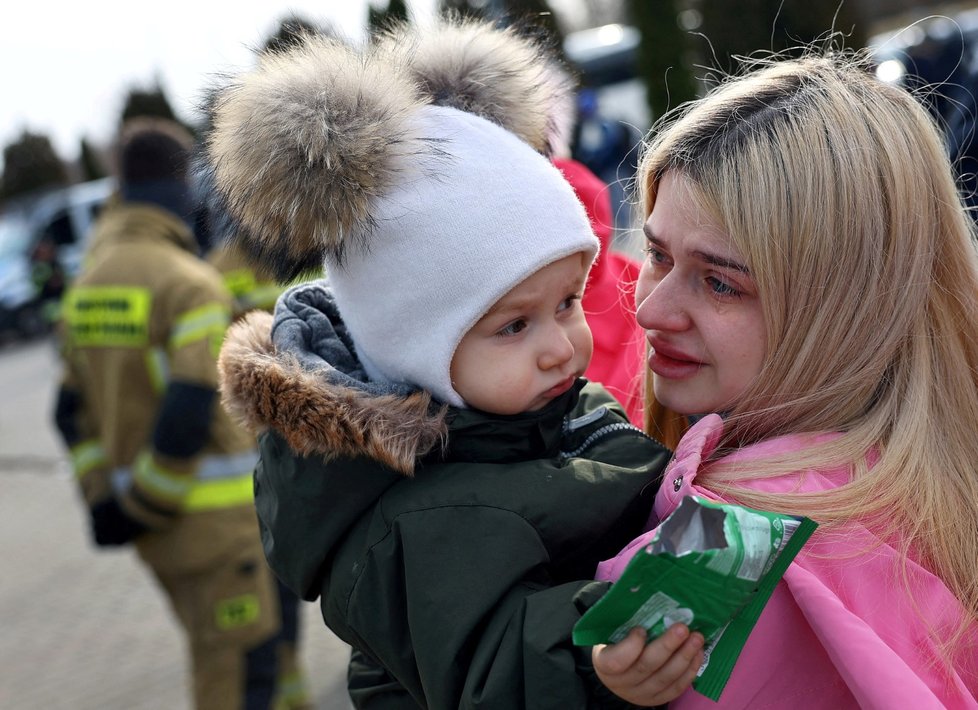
[251, 287]
[146, 311]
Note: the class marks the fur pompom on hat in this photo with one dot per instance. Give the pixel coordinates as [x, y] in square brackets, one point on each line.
[412, 169]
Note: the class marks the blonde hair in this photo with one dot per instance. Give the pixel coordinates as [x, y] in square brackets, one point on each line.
[836, 190]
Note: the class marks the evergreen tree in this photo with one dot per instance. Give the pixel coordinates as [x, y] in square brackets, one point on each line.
[662, 55]
[536, 17]
[744, 27]
[533, 17]
[467, 9]
[90, 162]
[147, 102]
[152, 103]
[290, 32]
[395, 13]
[30, 164]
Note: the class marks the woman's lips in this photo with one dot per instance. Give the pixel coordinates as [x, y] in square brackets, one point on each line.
[671, 363]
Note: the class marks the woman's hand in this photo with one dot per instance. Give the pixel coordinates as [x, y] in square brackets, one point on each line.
[653, 673]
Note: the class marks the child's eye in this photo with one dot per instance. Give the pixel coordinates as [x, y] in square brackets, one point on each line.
[568, 302]
[655, 255]
[720, 288]
[514, 328]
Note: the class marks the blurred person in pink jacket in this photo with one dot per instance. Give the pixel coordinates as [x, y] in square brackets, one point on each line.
[609, 298]
[810, 296]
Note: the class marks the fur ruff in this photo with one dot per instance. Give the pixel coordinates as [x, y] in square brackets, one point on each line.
[301, 147]
[264, 390]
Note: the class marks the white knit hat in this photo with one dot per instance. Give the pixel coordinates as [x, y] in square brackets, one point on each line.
[425, 215]
[489, 213]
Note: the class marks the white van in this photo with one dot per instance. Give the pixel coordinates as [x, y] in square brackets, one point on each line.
[64, 217]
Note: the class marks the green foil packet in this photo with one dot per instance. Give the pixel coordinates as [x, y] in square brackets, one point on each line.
[712, 566]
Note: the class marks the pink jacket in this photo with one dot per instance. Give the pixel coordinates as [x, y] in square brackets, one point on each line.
[839, 630]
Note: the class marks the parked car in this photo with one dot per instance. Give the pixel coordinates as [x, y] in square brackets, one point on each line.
[42, 243]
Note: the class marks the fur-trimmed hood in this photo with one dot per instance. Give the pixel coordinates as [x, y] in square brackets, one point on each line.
[298, 374]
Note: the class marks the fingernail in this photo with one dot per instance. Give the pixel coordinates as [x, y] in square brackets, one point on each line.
[681, 631]
[697, 640]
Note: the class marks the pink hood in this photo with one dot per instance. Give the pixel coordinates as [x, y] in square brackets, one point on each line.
[839, 630]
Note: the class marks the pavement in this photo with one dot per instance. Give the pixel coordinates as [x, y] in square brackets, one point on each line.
[81, 628]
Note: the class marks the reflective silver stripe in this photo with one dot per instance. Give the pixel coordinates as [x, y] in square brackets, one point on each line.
[212, 468]
[584, 420]
[121, 480]
[217, 466]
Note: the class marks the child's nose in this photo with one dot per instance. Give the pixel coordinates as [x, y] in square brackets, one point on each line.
[558, 349]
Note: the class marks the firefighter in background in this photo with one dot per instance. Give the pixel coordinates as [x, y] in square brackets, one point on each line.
[159, 462]
[253, 287]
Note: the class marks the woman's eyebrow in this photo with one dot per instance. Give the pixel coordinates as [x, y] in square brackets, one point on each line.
[721, 261]
[712, 259]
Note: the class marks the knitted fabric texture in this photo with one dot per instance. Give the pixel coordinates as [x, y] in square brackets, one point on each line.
[478, 218]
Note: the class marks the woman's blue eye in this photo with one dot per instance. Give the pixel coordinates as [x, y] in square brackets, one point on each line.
[513, 328]
[720, 288]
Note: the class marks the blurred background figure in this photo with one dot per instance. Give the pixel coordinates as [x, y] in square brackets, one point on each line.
[159, 463]
[253, 287]
[609, 298]
[49, 279]
[937, 59]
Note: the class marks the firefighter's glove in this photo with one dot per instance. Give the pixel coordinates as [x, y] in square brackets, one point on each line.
[111, 526]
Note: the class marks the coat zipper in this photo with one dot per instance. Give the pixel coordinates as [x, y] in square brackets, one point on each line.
[602, 432]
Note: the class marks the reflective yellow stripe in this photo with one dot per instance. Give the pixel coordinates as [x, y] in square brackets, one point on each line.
[192, 494]
[239, 281]
[261, 297]
[210, 321]
[87, 456]
[158, 367]
[237, 611]
[108, 316]
[222, 493]
[290, 690]
[160, 482]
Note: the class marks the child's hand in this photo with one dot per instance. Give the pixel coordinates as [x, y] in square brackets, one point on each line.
[650, 674]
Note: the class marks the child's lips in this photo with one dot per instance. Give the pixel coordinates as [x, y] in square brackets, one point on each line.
[560, 388]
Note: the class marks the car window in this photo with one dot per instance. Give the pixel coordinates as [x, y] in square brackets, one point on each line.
[15, 236]
[60, 229]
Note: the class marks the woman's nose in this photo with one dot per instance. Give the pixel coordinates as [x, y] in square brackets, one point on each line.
[662, 304]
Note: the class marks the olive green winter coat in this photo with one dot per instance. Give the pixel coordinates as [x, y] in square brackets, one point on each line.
[458, 585]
